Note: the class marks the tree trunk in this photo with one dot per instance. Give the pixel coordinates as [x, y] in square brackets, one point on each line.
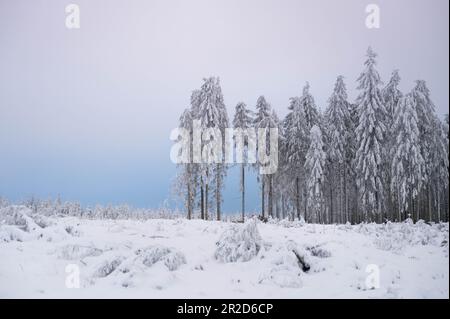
[341, 216]
[270, 213]
[345, 194]
[277, 207]
[438, 193]
[262, 195]
[399, 205]
[429, 204]
[243, 191]
[218, 177]
[297, 196]
[206, 201]
[206, 195]
[189, 201]
[331, 204]
[202, 201]
[305, 201]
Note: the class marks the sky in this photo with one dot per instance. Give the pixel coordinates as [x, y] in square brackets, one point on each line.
[86, 113]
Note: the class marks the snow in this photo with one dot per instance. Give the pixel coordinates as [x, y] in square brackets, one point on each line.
[239, 243]
[179, 258]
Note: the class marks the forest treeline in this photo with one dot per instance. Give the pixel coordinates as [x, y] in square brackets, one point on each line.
[381, 157]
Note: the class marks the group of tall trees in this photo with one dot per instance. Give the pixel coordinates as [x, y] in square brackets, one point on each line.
[383, 157]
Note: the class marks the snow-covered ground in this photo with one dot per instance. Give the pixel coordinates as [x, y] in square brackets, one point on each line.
[177, 258]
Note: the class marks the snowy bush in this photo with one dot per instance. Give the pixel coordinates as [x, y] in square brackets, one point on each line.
[287, 262]
[396, 236]
[239, 243]
[171, 257]
[11, 233]
[74, 251]
[3, 202]
[174, 260]
[19, 223]
[18, 216]
[42, 221]
[107, 266]
[72, 230]
[317, 251]
[285, 274]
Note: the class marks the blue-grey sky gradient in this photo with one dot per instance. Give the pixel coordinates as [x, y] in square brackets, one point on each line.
[86, 113]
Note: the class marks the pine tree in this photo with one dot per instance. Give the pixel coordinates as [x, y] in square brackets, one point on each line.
[263, 121]
[220, 169]
[339, 125]
[391, 96]
[309, 107]
[243, 120]
[187, 181]
[438, 181]
[427, 127]
[407, 162]
[212, 114]
[315, 161]
[370, 138]
[295, 146]
[272, 178]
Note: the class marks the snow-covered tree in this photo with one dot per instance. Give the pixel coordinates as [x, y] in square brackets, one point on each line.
[314, 167]
[340, 127]
[187, 179]
[425, 112]
[274, 179]
[407, 162]
[263, 120]
[295, 146]
[391, 96]
[386, 153]
[309, 107]
[439, 176]
[211, 112]
[243, 120]
[432, 145]
[370, 138]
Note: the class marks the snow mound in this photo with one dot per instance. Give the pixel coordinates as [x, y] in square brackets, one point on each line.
[239, 243]
[170, 257]
[19, 223]
[287, 263]
[292, 224]
[10, 233]
[18, 216]
[317, 251]
[107, 266]
[75, 251]
[397, 236]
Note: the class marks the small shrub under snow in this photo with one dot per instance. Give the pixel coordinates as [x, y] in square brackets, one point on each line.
[74, 251]
[10, 233]
[239, 243]
[107, 266]
[287, 262]
[396, 236]
[171, 257]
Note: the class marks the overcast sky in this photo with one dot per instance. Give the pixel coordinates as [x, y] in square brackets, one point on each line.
[86, 113]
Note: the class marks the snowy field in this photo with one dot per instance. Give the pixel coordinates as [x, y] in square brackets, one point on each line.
[177, 258]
